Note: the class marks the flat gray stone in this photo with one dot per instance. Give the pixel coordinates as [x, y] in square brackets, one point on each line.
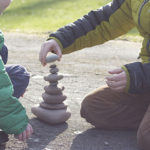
[53, 77]
[53, 90]
[53, 99]
[53, 106]
[53, 66]
[51, 58]
[54, 70]
[51, 116]
[54, 84]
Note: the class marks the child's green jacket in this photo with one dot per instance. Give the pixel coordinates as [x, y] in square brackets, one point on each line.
[13, 118]
[107, 23]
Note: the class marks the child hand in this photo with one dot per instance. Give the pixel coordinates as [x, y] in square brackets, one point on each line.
[49, 46]
[26, 133]
[117, 81]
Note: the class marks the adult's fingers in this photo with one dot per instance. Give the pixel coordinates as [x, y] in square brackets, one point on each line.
[117, 77]
[41, 54]
[114, 84]
[58, 52]
[116, 71]
[119, 89]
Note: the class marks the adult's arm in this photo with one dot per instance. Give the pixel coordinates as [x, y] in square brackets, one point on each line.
[96, 27]
[138, 75]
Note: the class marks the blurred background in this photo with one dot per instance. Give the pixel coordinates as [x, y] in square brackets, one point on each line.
[44, 16]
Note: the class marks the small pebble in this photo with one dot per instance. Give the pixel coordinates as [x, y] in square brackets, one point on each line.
[54, 70]
[47, 149]
[36, 140]
[77, 132]
[106, 143]
[53, 66]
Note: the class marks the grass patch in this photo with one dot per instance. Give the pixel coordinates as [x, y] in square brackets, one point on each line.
[45, 15]
[38, 16]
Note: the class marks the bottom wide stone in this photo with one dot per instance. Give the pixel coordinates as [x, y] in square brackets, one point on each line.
[51, 116]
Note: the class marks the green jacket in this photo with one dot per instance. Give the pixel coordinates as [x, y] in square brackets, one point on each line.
[107, 23]
[13, 118]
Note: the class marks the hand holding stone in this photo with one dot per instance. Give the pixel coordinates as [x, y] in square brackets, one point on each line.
[49, 46]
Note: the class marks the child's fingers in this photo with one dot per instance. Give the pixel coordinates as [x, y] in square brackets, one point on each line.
[31, 129]
[28, 132]
[20, 137]
[24, 135]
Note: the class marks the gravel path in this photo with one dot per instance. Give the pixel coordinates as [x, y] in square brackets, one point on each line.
[84, 71]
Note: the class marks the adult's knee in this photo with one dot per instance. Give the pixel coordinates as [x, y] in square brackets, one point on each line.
[143, 137]
[88, 110]
[85, 107]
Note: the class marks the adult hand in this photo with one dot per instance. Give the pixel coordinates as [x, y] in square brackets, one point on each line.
[118, 80]
[49, 46]
[26, 133]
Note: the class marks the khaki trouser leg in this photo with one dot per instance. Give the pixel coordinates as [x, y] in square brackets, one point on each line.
[107, 109]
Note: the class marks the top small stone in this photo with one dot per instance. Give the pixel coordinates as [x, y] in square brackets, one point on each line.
[51, 58]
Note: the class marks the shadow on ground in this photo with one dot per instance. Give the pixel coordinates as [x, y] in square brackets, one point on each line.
[94, 139]
[50, 133]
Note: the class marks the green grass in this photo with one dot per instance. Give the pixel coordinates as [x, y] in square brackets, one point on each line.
[45, 15]
[40, 16]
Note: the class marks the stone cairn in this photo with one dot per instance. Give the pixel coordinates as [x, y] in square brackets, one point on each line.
[52, 110]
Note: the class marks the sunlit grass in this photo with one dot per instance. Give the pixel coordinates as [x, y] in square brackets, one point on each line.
[40, 16]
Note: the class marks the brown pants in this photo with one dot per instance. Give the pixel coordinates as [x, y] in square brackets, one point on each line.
[107, 109]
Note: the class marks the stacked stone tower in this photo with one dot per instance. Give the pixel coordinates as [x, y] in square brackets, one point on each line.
[52, 110]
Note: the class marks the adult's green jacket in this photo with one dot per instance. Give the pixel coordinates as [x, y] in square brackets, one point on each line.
[107, 23]
[13, 118]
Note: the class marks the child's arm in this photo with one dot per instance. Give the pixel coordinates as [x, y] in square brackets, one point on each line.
[13, 118]
[96, 27]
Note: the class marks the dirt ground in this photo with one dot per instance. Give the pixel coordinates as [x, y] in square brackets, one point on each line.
[83, 71]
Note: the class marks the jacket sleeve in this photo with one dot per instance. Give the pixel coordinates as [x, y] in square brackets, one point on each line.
[145, 50]
[96, 27]
[139, 76]
[1, 40]
[13, 118]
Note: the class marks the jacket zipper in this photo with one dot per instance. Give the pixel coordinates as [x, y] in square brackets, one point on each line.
[140, 10]
[147, 46]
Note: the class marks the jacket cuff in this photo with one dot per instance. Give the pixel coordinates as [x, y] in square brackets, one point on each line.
[128, 79]
[59, 43]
